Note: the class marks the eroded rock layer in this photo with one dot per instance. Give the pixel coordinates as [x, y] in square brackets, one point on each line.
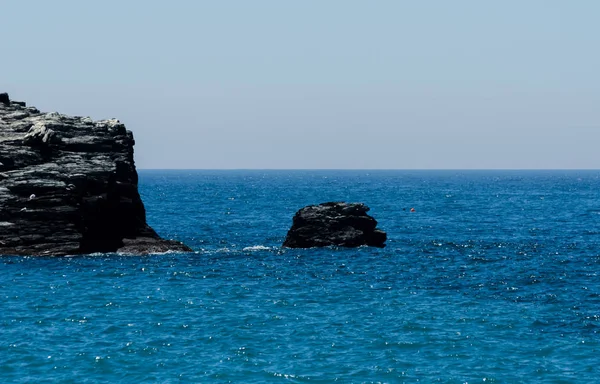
[68, 185]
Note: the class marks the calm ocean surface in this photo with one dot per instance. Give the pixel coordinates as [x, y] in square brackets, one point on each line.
[494, 278]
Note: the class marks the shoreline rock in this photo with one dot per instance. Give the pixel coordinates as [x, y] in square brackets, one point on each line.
[68, 185]
[334, 224]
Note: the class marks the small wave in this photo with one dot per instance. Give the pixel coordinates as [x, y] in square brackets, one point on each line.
[167, 252]
[257, 248]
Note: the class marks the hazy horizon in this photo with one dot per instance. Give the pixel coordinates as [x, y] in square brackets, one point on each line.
[382, 169]
[320, 85]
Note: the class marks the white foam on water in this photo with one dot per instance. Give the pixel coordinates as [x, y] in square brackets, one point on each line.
[256, 248]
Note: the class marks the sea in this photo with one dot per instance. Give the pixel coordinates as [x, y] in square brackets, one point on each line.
[493, 278]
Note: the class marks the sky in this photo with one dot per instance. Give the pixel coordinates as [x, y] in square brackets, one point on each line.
[336, 84]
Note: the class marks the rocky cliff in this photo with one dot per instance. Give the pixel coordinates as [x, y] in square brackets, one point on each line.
[68, 185]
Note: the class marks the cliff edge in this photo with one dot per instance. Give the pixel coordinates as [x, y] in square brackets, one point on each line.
[68, 185]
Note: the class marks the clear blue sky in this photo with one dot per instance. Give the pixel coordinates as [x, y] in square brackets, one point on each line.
[319, 84]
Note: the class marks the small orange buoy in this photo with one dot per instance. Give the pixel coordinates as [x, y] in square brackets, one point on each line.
[413, 210]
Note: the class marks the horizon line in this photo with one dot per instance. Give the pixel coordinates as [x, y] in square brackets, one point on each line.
[368, 169]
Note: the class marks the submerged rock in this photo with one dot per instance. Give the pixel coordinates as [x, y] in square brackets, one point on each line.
[68, 185]
[334, 223]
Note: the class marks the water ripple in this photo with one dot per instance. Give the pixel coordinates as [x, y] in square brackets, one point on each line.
[486, 282]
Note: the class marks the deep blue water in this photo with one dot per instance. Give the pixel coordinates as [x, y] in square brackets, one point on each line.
[494, 278]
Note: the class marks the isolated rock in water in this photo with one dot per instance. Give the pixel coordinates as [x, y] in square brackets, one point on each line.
[68, 185]
[335, 223]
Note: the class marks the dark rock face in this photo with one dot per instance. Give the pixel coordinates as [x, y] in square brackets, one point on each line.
[341, 224]
[68, 185]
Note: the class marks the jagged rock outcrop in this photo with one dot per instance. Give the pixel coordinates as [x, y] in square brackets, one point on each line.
[336, 223]
[68, 185]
